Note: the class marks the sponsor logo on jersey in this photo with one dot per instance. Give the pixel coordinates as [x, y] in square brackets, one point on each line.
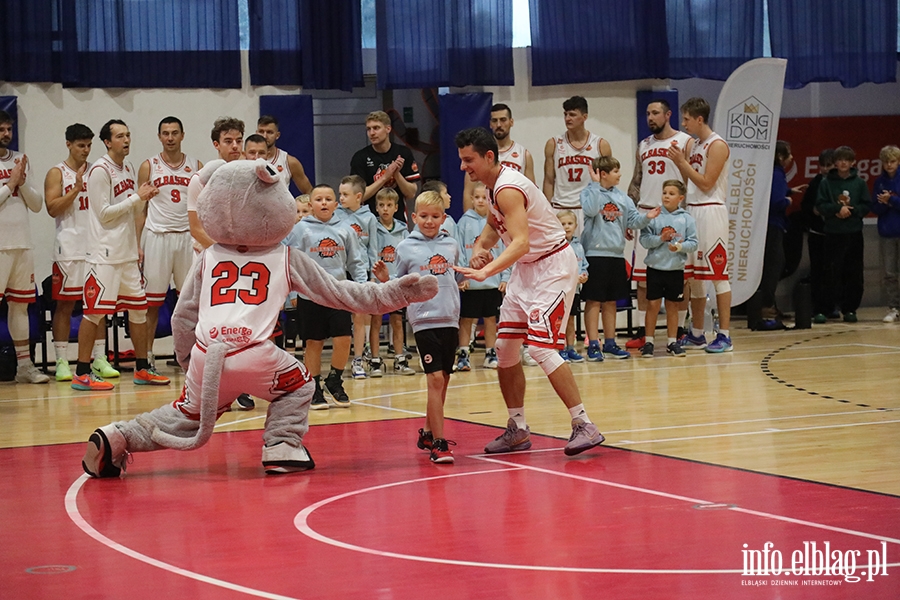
[515, 155]
[280, 168]
[437, 264]
[171, 180]
[388, 254]
[610, 212]
[427, 359]
[213, 333]
[573, 160]
[327, 248]
[236, 335]
[187, 169]
[415, 167]
[534, 316]
[589, 148]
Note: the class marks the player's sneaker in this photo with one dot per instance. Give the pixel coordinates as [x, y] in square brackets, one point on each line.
[675, 350]
[647, 350]
[106, 453]
[594, 351]
[637, 341]
[693, 342]
[357, 371]
[149, 376]
[101, 368]
[30, 374]
[570, 355]
[245, 402]
[375, 367]
[401, 366]
[490, 359]
[512, 439]
[462, 360]
[335, 387]
[891, 316]
[318, 400]
[584, 436]
[441, 453]
[614, 351]
[90, 383]
[283, 458]
[722, 343]
[425, 441]
[850, 317]
[819, 319]
[526, 358]
[63, 370]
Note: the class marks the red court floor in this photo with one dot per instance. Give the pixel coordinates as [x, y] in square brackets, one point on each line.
[376, 519]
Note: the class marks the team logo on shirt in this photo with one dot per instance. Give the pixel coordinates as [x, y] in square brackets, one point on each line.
[187, 169]
[213, 333]
[534, 316]
[355, 227]
[327, 248]
[388, 254]
[515, 155]
[668, 229]
[280, 168]
[437, 264]
[610, 212]
[290, 380]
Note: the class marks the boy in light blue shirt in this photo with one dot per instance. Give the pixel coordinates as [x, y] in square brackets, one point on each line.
[669, 239]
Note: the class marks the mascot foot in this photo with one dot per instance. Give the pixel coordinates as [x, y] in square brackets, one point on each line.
[106, 453]
[283, 458]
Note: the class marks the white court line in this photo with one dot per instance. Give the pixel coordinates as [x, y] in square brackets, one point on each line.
[301, 522]
[75, 516]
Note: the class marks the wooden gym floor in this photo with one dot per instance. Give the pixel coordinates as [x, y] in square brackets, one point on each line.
[790, 439]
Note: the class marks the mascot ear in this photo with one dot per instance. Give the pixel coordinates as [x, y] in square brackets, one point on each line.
[208, 169]
[265, 172]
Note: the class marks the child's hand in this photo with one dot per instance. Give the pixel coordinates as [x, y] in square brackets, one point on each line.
[380, 270]
[582, 278]
[463, 285]
[676, 247]
[884, 197]
[655, 212]
[480, 259]
[595, 175]
[667, 235]
[844, 212]
[502, 287]
[629, 234]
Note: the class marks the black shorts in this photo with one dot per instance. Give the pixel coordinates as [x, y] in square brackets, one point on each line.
[665, 284]
[477, 304]
[437, 348]
[607, 280]
[576, 306]
[319, 322]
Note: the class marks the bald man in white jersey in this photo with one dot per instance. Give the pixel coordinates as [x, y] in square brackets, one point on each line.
[652, 167]
[164, 232]
[539, 293]
[287, 166]
[567, 160]
[704, 167]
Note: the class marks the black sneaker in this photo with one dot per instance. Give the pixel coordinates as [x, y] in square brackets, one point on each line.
[245, 402]
[425, 441]
[675, 350]
[318, 400]
[335, 387]
[647, 350]
[441, 453]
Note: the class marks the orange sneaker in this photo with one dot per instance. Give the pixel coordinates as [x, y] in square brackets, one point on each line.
[90, 383]
[637, 342]
[149, 376]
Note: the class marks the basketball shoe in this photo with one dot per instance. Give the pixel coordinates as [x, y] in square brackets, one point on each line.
[106, 453]
[584, 436]
[512, 439]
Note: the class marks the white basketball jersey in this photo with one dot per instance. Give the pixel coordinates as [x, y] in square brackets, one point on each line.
[167, 211]
[72, 226]
[280, 163]
[699, 161]
[573, 170]
[242, 294]
[657, 167]
[545, 234]
[513, 157]
[16, 233]
[115, 241]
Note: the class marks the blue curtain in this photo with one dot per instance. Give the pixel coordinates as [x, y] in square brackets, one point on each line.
[26, 41]
[711, 38]
[603, 40]
[316, 44]
[151, 44]
[423, 43]
[835, 40]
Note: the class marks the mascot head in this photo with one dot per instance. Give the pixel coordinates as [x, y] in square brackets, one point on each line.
[245, 203]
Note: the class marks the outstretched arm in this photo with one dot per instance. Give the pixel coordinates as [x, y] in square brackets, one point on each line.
[187, 314]
[314, 282]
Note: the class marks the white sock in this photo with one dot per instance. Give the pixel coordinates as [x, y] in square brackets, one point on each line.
[518, 416]
[578, 412]
[62, 350]
[99, 350]
[671, 340]
[648, 339]
[23, 355]
[697, 332]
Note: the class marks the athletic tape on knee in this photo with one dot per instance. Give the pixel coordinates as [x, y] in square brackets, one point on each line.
[722, 286]
[507, 352]
[95, 319]
[17, 321]
[549, 360]
[137, 316]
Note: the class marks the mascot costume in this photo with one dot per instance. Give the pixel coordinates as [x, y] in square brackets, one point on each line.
[225, 314]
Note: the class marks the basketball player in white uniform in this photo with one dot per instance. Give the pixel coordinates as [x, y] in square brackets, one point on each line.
[567, 160]
[17, 196]
[539, 293]
[651, 168]
[164, 233]
[113, 279]
[289, 167]
[65, 193]
[707, 187]
[255, 147]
